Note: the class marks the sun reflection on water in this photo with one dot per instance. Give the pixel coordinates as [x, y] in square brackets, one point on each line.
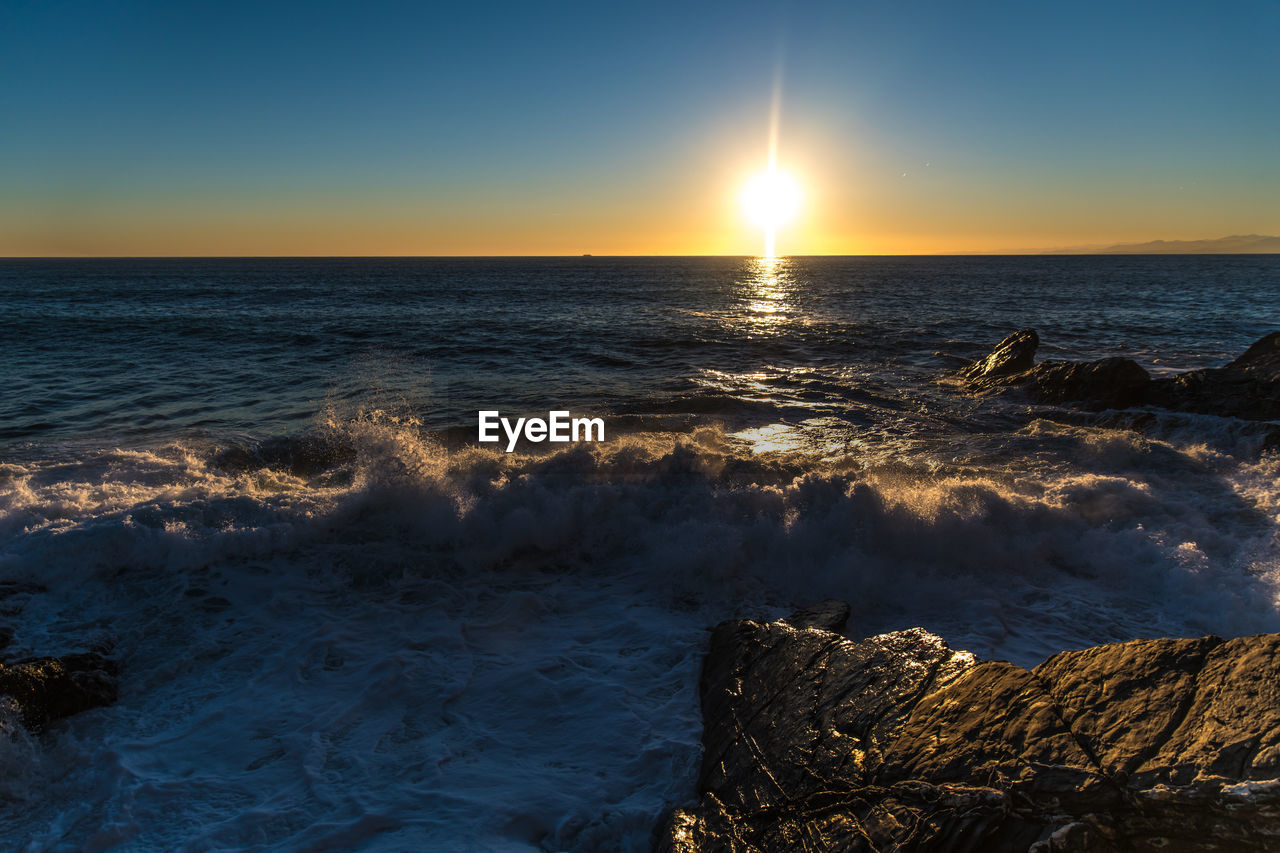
[767, 289]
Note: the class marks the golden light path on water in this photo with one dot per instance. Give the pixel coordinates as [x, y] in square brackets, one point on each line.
[767, 289]
[768, 308]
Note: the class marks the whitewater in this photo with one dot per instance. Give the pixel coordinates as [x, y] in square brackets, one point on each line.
[343, 624]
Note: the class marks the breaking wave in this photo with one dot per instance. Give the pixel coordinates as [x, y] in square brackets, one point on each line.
[364, 638]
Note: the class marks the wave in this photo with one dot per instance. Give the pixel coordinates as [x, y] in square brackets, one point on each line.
[364, 637]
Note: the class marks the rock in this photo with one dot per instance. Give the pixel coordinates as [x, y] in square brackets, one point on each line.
[48, 689]
[897, 742]
[1108, 383]
[830, 615]
[1231, 728]
[747, 665]
[1262, 356]
[1006, 723]
[1246, 388]
[1013, 355]
[1123, 699]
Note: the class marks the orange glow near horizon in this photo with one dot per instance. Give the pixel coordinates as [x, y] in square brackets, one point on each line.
[849, 203]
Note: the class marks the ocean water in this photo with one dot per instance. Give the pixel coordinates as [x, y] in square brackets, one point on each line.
[343, 624]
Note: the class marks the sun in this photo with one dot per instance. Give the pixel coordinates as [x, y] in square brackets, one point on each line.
[771, 199]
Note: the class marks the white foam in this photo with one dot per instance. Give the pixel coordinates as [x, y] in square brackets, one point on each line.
[503, 651]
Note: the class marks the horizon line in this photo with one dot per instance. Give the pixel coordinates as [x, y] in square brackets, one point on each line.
[1109, 251]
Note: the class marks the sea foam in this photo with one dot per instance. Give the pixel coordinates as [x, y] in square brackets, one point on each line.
[417, 646]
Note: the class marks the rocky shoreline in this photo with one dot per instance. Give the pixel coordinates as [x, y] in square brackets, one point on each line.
[897, 742]
[814, 741]
[1247, 387]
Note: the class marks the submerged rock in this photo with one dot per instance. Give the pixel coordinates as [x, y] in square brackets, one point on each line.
[896, 742]
[48, 689]
[1247, 388]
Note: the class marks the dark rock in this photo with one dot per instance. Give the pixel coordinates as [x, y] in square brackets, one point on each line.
[1232, 727]
[1246, 388]
[1104, 383]
[1110, 383]
[1262, 356]
[1123, 699]
[1013, 355]
[48, 689]
[896, 742]
[836, 739]
[830, 615]
[1015, 725]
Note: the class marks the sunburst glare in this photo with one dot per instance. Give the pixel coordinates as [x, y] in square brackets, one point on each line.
[769, 200]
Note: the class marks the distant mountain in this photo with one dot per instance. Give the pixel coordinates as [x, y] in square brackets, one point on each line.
[1246, 244]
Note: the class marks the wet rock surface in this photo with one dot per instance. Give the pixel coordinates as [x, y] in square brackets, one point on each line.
[1248, 387]
[1112, 383]
[1014, 355]
[897, 742]
[46, 689]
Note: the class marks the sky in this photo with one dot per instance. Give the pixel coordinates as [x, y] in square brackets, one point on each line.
[273, 128]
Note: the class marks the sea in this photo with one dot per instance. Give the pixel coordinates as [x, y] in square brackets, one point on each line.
[345, 624]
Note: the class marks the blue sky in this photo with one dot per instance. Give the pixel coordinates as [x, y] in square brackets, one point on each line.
[395, 128]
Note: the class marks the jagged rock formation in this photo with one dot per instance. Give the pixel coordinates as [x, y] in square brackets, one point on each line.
[815, 742]
[1014, 355]
[1248, 387]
